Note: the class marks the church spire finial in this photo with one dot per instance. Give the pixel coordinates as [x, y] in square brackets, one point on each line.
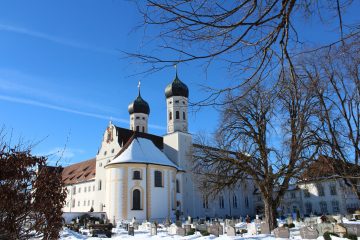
[139, 86]
[176, 69]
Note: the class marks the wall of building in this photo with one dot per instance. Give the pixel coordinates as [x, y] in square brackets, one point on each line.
[80, 197]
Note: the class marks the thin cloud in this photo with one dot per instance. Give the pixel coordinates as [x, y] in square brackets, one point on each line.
[68, 110]
[55, 39]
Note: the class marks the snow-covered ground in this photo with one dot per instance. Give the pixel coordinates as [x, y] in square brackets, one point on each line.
[119, 233]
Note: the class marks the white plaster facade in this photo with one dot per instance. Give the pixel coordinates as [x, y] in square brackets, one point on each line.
[113, 186]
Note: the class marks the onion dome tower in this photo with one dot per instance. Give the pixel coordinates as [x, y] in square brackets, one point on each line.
[139, 111]
[177, 94]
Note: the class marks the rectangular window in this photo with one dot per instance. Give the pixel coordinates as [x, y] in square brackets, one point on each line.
[84, 189]
[84, 202]
[158, 179]
[320, 189]
[136, 175]
[335, 206]
[89, 188]
[73, 203]
[79, 190]
[177, 115]
[308, 208]
[333, 189]
[306, 193]
[323, 207]
[78, 203]
[293, 195]
[74, 190]
[92, 202]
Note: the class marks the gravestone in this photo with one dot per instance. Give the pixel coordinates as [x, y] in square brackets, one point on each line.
[180, 231]
[172, 230]
[201, 227]
[187, 228]
[178, 223]
[131, 231]
[230, 231]
[214, 229]
[309, 233]
[167, 222]
[251, 227]
[325, 227]
[136, 225]
[189, 220]
[289, 220]
[264, 228]
[282, 232]
[153, 229]
[352, 228]
[340, 230]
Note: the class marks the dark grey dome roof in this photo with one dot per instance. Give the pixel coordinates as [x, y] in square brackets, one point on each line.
[176, 88]
[139, 105]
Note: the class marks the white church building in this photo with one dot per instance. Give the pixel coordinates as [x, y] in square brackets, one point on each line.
[149, 177]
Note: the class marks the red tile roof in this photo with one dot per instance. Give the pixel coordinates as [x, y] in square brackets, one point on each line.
[79, 172]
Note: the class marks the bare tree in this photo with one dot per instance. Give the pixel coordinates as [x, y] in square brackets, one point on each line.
[246, 145]
[32, 194]
[253, 38]
[336, 74]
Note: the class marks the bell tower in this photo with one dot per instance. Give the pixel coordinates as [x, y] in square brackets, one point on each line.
[177, 94]
[139, 111]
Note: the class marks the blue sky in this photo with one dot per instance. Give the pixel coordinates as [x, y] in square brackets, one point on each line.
[63, 77]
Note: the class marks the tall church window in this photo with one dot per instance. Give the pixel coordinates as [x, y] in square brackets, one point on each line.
[170, 115]
[136, 175]
[136, 200]
[99, 185]
[221, 201]
[177, 186]
[246, 202]
[335, 206]
[137, 129]
[184, 116]
[143, 129]
[177, 115]
[205, 202]
[235, 205]
[158, 179]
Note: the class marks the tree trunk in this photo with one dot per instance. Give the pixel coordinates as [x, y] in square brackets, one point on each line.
[270, 213]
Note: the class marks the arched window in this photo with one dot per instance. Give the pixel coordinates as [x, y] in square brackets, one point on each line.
[99, 185]
[184, 116]
[137, 128]
[177, 115]
[177, 186]
[143, 129]
[158, 179]
[136, 175]
[136, 200]
[170, 115]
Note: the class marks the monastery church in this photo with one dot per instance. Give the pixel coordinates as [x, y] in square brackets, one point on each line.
[149, 177]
